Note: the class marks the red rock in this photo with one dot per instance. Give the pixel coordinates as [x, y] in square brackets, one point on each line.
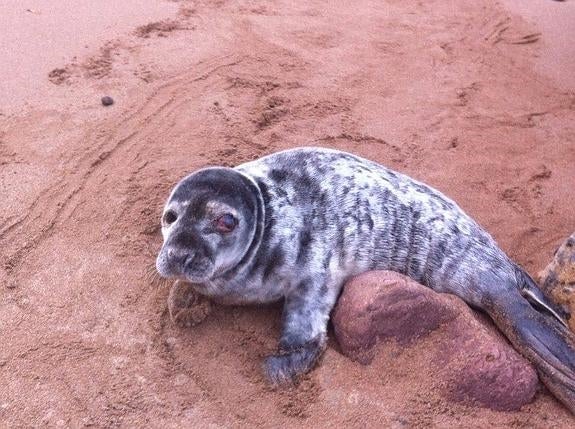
[558, 278]
[468, 357]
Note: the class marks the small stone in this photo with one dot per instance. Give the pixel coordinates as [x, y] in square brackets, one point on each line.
[87, 422]
[171, 341]
[107, 100]
[181, 379]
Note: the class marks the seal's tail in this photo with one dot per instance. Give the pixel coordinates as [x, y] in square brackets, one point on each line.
[542, 338]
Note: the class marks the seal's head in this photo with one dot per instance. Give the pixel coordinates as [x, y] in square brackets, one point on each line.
[209, 224]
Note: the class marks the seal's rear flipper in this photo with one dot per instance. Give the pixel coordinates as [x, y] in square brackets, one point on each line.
[542, 339]
[531, 292]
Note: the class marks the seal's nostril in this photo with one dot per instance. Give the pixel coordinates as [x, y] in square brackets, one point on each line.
[179, 257]
[189, 259]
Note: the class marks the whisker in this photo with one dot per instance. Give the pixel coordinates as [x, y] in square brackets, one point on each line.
[152, 276]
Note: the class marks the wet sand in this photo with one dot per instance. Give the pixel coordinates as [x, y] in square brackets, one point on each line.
[555, 21]
[470, 97]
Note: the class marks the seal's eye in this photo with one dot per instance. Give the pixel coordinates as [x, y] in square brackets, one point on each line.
[226, 223]
[170, 217]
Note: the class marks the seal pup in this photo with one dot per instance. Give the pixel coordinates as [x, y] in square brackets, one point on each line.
[295, 225]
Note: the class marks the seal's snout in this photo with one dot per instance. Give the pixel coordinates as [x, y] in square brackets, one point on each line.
[173, 261]
[179, 257]
[192, 264]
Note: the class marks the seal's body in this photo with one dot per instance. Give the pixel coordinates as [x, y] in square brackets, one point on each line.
[297, 224]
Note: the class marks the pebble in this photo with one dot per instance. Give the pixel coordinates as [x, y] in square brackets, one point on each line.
[107, 100]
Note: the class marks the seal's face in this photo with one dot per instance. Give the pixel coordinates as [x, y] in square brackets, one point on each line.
[208, 225]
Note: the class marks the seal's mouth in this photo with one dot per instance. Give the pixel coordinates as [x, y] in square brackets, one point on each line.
[188, 266]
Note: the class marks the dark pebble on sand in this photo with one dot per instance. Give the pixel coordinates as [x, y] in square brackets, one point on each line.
[107, 100]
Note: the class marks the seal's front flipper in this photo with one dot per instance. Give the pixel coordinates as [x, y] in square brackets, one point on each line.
[542, 339]
[531, 292]
[187, 307]
[303, 340]
[289, 363]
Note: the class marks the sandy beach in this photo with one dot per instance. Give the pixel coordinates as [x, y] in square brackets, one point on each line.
[474, 98]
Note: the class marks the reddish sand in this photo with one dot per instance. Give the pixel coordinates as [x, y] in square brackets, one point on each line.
[451, 92]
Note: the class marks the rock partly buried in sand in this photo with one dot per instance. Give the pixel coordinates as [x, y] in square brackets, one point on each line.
[187, 308]
[558, 278]
[472, 362]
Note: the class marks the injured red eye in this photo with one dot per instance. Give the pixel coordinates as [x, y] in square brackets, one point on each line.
[226, 223]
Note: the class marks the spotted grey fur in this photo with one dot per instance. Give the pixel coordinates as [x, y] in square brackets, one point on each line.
[311, 218]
